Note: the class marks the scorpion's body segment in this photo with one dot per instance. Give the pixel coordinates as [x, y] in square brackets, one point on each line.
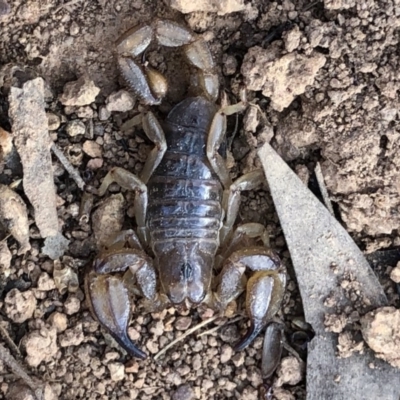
[185, 208]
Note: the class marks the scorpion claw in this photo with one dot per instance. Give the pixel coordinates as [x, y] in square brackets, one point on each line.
[250, 335]
[109, 302]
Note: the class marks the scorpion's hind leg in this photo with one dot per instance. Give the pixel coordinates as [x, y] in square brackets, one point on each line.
[264, 289]
[108, 296]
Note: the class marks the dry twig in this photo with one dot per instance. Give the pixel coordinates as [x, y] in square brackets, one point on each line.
[186, 334]
[68, 167]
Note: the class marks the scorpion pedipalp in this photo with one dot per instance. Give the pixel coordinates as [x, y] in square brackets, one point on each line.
[108, 294]
[150, 85]
[264, 289]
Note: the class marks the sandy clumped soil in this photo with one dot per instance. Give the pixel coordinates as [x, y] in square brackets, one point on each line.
[325, 76]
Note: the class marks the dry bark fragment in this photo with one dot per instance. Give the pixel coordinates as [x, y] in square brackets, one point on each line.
[31, 138]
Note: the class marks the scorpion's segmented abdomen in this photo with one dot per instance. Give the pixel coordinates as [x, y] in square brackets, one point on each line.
[184, 199]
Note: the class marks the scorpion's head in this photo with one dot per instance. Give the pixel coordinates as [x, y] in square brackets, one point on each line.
[185, 269]
[193, 112]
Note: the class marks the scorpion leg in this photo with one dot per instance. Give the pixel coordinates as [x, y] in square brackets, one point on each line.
[216, 135]
[155, 133]
[264, 288]
[231, 201]
[245, 235]
[130, 181]
[107, 291]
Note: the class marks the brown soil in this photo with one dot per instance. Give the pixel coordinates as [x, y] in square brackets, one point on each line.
[339, 108]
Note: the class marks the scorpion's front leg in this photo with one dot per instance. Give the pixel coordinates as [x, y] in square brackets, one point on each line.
[264, 289]
[106, 288]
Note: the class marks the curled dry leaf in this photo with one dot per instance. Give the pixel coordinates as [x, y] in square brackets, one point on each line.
[14, 217]
[65, 278]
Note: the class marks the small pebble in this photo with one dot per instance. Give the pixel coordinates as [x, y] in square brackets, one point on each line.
[75, 128]
[45, 283]
[226, 353]
[395, 274]
[121, 101]
[72, 305]
[92, 149]
[79, 93]
[54, 121]
[184, 392]
[104, 114]
[95, 163]
[19, 306]
[72, 337]
[58, 321]
[117, 371]
[4, 8]
[183, 323]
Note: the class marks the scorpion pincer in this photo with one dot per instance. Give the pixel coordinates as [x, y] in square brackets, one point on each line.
[185, 207]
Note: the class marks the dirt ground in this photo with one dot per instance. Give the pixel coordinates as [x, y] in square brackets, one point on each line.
[324, 73]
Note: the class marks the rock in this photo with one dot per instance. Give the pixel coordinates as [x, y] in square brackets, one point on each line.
[72, 305]
[120, 101]
[117, 371]
[238, 359]
[5, 257]
[58, 321]
[92, 149]
[335, 322]
[230, 65]
[394, 275]
[74, 29]
[72, 337]
[19, 306]
[40, 345]
[183, 392]
[183, 323]
[282, 394]
[347, 345]
[291, 371]
[75, 128]
[292, 39]
[45, 283]
[281, 78]
[5, 8]
[104, 114]
[131, 367]
[107, 220]
[94, 164]
[339, 4]
[79, 93]
[226, 353]
[32, 141]
[221, 7]
[53, 121]
[381, 330]
[14, 217]
[55, 246]
[29, 12]
[20, 391]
